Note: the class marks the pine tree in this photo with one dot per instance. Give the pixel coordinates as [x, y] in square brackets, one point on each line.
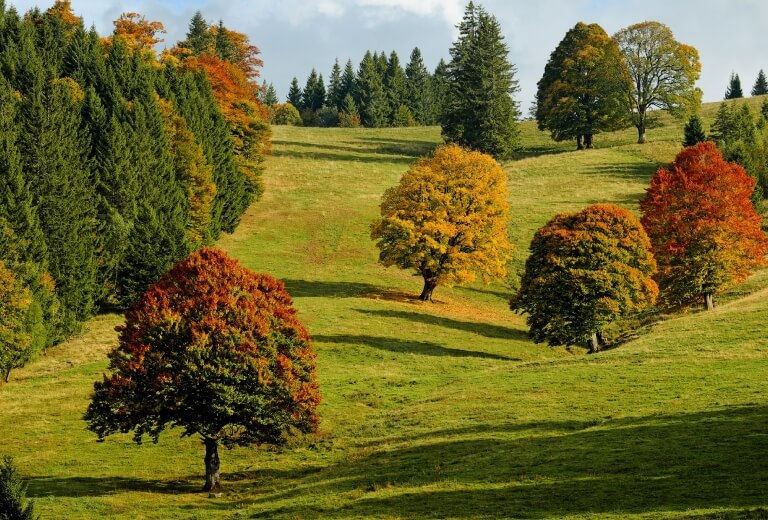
[13, 505]
[734, 88]
[394, 86]
[295, 94]
[441, 81]
[418, 89]
[381, 63]
[199, 39]
[369, 94]
[481, 113]
[222, 44]
[334, 87]
[347, 83]
[349, 117]
[270, 96]
[761, 84]
[693, 131]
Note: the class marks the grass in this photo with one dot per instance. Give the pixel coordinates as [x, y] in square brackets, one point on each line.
[441, 410]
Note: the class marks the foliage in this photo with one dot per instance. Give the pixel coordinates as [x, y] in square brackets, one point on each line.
[760, 87]
[214, 349]
[369, 94]
[586, 270]
[403, 117]
[418, 89]
[446, 219]
[663, 70]
[349, 117]
[137, 32]
[15, 342]
[313, 95]
[394, 82]
[294, 95]
[583, 87]
[480, 112]
[327, 117]
[13, 505]
[693, 133]
[734, 88]
[704, 229]
[285, 114]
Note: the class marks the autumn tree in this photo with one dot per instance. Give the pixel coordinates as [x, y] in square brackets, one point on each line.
[215, 350]
[761, 84]
[15, 342]
[663, 70]
[137, 32]
[586, 269]
[479, 111]
[582, 90]
[734, 88]
[704, 229]
[447, 219]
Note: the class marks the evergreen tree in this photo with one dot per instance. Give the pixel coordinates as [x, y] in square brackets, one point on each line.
[313, 96]
[441, 82]
[349, 117]
[418, 89]
[347, 83]
[334, 87]
[734, 88]
[481, 113]
[693, 131]
[223, 45]
[381, 63]
[369, 94]
[270, 96]
[199, 39]
[13, 505]
[761, 84]
[295, 95]
[394, 86]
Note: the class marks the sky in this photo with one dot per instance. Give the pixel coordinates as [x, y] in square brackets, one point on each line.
[295, 36]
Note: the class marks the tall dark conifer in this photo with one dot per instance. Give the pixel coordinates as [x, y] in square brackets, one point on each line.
[295, 94]
[760, 87]
[394, 86]
[734, 88]
[199, 39]
[369, 94]
[334, 87]
[418, 89]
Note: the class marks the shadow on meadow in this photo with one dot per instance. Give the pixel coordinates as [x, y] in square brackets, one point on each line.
[45, 486]
[325, 289]
[405, 346]
[364, 149]
[487, 330]
[661, 463]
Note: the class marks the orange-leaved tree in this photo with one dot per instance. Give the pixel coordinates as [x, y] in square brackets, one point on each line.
[15, 342]
[705, 231]
[215, 350]
[586, 270]
[447, 219]
[138, 33]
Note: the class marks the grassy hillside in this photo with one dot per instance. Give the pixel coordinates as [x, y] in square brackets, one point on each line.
[441, 410]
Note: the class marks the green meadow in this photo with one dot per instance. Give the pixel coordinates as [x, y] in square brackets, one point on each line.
[434, 410]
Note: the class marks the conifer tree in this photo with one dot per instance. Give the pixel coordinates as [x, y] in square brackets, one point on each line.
[313, 95]
[481, 113]
[381, 63]
[760, 87]
[693, 131]
[349, 117]
[334, 87]
[270, 96]
[734, 88]
[394, 86]
[295, 94]
[13, 504]
[199, 39]
[441, 81]
[347, 83]
[369, 94]
[418, 88]
[222, 43]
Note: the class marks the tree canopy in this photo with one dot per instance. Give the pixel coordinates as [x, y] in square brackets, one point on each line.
[586, 269]
[447, 219]
[663, 71]
[583, 88]
[705, 232]
[215, 350]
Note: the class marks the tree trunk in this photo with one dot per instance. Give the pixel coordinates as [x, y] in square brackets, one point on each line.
[429, 287]
[7, 375]
[641, 133]
[212, 465]
[588, 141]
[594, 343]
[709, 302]
[579, 146]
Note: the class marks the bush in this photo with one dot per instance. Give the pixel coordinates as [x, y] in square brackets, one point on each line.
[349, 120]
[327, 117]
[285, 114]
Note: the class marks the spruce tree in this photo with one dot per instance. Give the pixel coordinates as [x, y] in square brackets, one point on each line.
[199, 39]
[394, 86]
[13, 504]
[761, 84]
[441, 82]
[369, 94]
[480, 112]
[347, 84]
[295, 94]
[313, 96]
[693, 133]
[734, 88]
[270, 96]
[349, 117]
[222, 43]
[418, 89]
[334, 87]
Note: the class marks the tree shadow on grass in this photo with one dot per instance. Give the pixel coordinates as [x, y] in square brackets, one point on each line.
[403, 346]
[362, 156]
[324, 289]
[635, 172]
[662, 464]
[75, 487]
[483, 329]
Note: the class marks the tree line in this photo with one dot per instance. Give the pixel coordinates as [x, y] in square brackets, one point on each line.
[734, 91]
[115, 163]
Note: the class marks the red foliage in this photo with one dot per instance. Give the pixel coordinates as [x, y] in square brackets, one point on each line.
[704, 229]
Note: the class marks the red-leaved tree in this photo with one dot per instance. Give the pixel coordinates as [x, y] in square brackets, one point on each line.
[704, 229]
[216, 350]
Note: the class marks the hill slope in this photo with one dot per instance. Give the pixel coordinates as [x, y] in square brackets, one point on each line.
[441, 410]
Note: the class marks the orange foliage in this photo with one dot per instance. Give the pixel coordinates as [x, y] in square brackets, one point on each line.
[63, 10]
[705, 231]
[137, 31]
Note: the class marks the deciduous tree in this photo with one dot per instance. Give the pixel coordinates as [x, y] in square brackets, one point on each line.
[447, 219]
[15, 342]
[215, 350]
[582, 90]
[663, 70]
[705, 231]
[586, 270]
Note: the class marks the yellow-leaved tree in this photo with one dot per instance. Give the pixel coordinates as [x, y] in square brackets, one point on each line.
[447, 219]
